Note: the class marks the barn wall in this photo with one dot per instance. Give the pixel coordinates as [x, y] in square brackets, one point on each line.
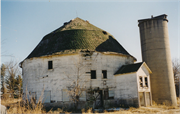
[37, 77]
[126, 91]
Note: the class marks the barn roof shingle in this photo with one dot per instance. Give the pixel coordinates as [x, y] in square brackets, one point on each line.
[129, 68]
[75, 35]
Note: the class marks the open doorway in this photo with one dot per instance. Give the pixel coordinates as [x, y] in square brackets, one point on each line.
[99, 101]
[145, 98]
[142, 98]
[148, 99]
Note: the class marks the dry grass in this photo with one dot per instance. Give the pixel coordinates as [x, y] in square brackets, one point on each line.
[166, 105]
[22, 106]
[19, 106]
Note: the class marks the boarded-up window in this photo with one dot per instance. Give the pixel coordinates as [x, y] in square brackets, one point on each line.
[146, 81]
[65, 95]
[111, 94]
[104, 74]
[93, 74]
[108, 94]
[50, 65]
[47, 97]
[83, 96]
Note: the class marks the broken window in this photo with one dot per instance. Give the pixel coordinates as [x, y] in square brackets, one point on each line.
[146, 81]
[93, 74]
[104, 74]
[50, 65]
[140, 81]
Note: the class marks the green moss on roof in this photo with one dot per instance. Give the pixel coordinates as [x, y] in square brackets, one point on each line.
[74, 36]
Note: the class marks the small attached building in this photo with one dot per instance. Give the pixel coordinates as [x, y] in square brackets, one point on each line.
[133, 85]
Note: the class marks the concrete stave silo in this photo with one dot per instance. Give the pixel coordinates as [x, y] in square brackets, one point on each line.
[156, 53]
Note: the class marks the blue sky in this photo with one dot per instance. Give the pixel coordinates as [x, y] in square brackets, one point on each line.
[25, 22]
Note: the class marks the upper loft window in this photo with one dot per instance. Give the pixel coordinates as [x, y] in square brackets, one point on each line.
[104, 74]
[146, 81]
[140, 81]
[50, 64]
[93, 74]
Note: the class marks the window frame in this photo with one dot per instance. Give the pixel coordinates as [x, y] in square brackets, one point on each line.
[50, 65]
[93, 74]
[146, 82]
[104, 74]
[141, 83]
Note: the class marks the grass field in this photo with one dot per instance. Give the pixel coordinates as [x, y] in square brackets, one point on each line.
[18, 106]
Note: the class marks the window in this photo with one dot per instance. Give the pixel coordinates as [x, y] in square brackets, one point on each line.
[108, 94]
[65, 95]
[47, 97]
[50, 65]
[93, 74]
[146, 81]
[140, 81]
[82, 96]
[111, 94]
[104, 74]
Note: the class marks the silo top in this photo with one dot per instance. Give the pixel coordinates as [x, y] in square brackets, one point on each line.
[160, 17]
[74, 36]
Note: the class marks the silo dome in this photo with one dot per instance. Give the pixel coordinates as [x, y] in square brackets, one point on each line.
[75, 35]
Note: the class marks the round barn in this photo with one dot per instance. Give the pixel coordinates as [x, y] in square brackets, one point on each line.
[81, 61]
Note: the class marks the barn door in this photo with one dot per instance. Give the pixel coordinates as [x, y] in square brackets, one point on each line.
[99, 100]
[148, 99]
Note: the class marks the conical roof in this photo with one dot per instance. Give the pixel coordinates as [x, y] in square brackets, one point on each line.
[74, 36]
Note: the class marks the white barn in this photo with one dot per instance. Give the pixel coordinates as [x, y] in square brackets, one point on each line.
[80, 53]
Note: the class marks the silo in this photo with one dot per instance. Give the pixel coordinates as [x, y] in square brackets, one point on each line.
[156, 53]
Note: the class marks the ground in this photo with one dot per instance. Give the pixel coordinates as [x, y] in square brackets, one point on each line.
[13, 104]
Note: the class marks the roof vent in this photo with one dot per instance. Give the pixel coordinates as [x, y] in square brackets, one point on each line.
[104, 32]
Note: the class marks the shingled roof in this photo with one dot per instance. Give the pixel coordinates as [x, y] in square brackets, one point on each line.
[129, 68]
[74, 36]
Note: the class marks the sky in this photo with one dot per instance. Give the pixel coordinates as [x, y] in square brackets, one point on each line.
[25, 22]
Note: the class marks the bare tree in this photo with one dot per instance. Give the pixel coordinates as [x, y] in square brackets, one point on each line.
[176, 66]
[78, 82]
[3, 74]
[77, 85]
[13, 79]
[176, 71]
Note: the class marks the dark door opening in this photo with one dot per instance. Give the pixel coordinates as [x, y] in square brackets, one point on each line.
[99, 100]
[142, 99]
